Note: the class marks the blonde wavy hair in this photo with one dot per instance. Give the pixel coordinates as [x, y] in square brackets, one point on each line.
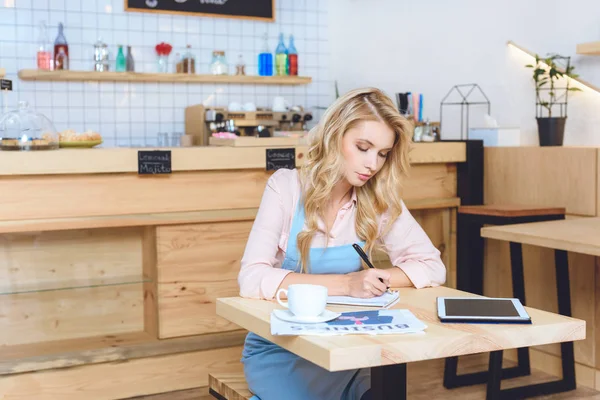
[323, 167]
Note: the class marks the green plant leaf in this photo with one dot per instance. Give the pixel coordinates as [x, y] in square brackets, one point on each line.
[575, 89]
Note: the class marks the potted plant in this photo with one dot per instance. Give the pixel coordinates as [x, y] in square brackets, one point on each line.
[551, 100]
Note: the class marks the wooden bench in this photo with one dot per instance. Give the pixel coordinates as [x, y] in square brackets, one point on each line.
[229, 386]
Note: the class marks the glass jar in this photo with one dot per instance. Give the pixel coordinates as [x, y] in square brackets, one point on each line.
[101, 55]
[187, 63]
[218, 66]
[24, 129]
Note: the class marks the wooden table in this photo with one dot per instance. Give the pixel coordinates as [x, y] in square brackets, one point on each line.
[579, 235]
[387, 355]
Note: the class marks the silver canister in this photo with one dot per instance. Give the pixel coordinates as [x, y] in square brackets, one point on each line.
[101, 62]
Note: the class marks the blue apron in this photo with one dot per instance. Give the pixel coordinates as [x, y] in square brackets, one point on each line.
[274, 373]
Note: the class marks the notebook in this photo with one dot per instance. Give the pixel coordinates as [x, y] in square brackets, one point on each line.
[385, 300]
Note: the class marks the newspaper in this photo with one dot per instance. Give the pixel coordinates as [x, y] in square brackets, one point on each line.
[371, 322]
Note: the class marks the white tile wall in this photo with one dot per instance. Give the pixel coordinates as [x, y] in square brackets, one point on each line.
[133, 114]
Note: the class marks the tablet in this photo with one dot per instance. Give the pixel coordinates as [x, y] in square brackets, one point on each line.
[481, 309]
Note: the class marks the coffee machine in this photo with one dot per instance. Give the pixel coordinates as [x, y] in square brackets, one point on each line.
[202, 122]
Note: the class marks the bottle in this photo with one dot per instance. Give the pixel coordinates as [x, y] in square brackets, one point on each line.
[121, 61]
[292, 58]
[281, 57]
[130, 64]
[240, 67]
[265, 59]
[61, 50]
[43, 54]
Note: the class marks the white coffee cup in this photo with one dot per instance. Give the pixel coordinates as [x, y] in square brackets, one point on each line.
[304, 300]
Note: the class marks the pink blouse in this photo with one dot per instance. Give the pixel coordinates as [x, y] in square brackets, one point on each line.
[407, 245]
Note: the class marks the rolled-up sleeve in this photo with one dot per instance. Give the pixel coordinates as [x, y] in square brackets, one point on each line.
[258, 277]
[411, 250]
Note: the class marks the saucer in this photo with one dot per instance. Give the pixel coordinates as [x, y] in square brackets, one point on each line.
[286, 315]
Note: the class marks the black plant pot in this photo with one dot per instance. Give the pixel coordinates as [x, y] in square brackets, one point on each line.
[551, 130]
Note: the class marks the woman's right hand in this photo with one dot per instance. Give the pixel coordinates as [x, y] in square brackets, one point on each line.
[366, 283]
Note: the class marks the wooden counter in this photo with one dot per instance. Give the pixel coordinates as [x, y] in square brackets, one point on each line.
[100, 264]
[205, 158]
[552, 177]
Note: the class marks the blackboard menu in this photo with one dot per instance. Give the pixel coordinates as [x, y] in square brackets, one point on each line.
[5, 84]
[249, 9]
[154, 162]
[281, 158]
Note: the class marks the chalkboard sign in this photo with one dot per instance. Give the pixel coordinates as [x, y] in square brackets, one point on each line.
[250, 9]
[281, 158]
[5, 84]
[154, 162]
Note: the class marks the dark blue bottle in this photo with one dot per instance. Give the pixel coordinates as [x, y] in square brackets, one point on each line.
[265, 59]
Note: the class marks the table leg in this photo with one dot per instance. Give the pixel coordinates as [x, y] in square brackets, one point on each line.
[469, 255]
[495, 376]
[518, 284]
[568, 381]
[388, 382]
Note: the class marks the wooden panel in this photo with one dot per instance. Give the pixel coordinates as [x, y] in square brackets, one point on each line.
[100, 349]
[542, 176]
[172, 218]
[442, 340]
[428, 181]
[438, 152]
[69, 259]
[64, 314]
[510, 210]
[597, 314]
[197, 264]
[580, 235]
[122, 380]
[449, 228]
[96, 195]
[150, 272]
[39, 197]
[230, 385]
[590, 48]
[120, 221]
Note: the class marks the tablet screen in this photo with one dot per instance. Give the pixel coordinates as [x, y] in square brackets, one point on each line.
[480, 308]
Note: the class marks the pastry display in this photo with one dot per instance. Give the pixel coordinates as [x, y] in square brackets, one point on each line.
[26, 144]
[23, 129]
[71, 138]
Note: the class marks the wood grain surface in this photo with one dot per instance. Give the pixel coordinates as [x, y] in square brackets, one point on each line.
[440, 340]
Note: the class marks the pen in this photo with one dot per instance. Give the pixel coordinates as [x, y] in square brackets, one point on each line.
[362, 255]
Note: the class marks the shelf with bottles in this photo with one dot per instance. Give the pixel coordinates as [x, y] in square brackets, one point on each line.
[83, 76]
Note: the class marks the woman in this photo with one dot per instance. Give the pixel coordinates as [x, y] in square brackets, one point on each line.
[347, 192]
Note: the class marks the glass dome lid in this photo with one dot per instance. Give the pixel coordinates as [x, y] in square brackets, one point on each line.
[25, 129]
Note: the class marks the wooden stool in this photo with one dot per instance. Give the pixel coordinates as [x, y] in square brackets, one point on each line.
[229, 386]
[469, 271]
